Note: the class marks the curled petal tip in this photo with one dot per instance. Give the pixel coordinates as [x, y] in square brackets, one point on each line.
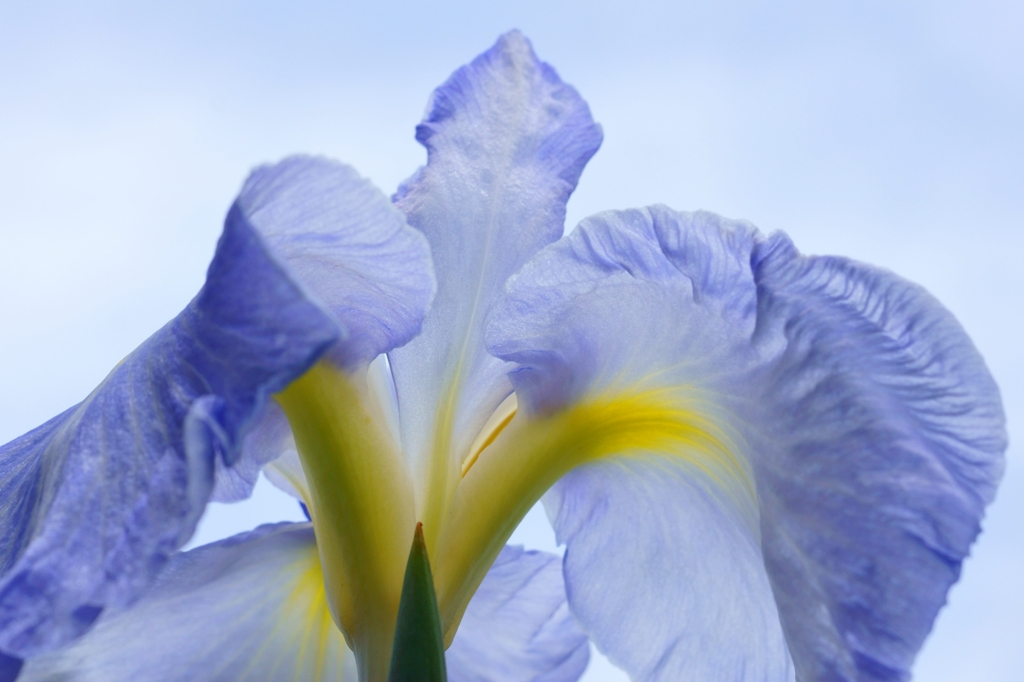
[352, 250]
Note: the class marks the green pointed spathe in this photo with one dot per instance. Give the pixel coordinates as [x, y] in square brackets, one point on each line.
[418, 653]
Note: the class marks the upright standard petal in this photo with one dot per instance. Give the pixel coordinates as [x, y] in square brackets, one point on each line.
[506, 141]
[841, 439]
[518, 625]
[251, 608]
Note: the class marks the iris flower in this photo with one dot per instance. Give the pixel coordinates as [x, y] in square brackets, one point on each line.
[762, 465]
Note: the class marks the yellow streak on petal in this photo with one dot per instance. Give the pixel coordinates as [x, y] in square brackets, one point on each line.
[309, 598]
[495, 424]
[529, 455]
[304, 618]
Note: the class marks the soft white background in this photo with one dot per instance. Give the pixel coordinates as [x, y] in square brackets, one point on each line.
[887, 131]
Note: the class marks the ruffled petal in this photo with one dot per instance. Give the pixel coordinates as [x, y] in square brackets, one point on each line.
[97, 499]
[877, 455]
[648, 296]
[662, 565]
[248, 608]
[518, 625]
[869, 428]
[507, 141]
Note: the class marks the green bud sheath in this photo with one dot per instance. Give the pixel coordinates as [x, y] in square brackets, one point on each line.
[418, 654]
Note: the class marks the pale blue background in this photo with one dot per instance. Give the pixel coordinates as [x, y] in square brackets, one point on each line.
[887, 131]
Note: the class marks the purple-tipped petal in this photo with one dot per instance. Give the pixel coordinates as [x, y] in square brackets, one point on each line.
[349, 246]
[506, 142]
[871, 430]
[877, 455]
[248, 608]
[518, 625]
[97, 499]
[351, 250]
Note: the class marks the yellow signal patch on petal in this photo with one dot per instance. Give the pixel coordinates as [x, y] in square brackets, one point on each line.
[310, 597]
[304, 645]
[526, 457]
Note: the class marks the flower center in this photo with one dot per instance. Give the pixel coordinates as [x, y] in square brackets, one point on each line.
[362, 496]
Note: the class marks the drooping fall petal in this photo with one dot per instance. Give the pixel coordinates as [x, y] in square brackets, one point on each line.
[96, 500]
[849, 439]
[244, 609]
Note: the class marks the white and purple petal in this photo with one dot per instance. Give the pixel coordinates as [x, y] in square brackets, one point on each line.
[506, 142]
[96, 500]
[349, 246]
[253, 608]
[626, 296]
[518, 625]
[868, 422]
[877, 454]
[248, 608]
[352, 252]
